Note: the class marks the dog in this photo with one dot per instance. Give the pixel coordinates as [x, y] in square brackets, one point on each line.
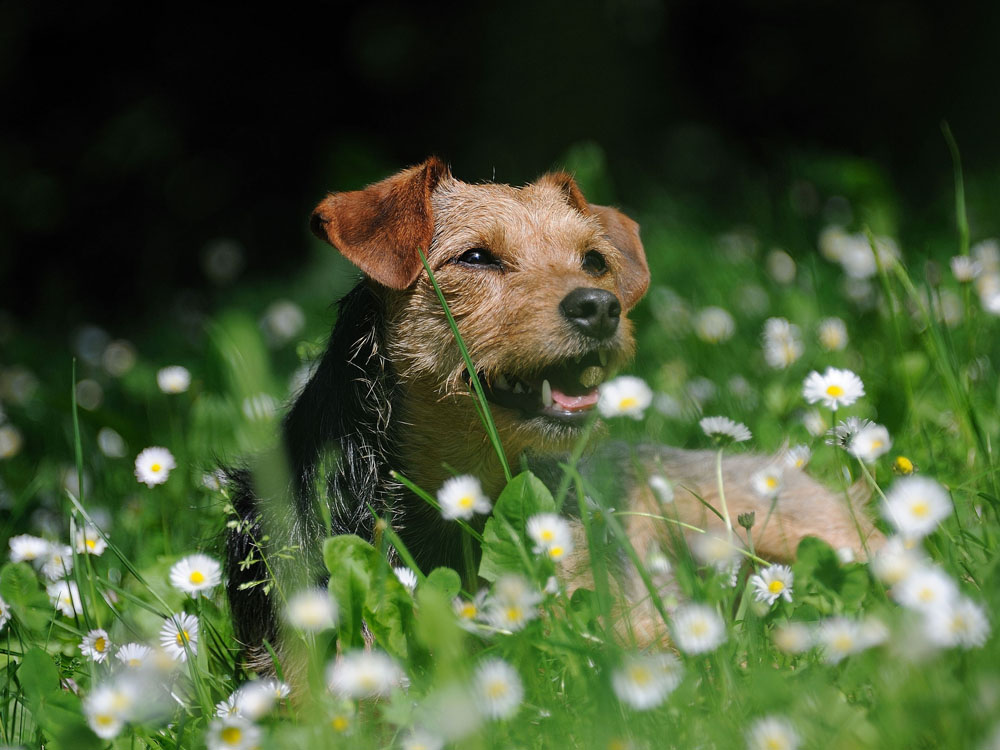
[539, 282]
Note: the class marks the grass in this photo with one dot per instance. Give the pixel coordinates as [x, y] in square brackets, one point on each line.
[919, 339]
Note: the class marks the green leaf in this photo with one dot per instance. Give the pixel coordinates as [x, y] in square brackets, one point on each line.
[350, 560]
[524, 496]
[445, 580]
[37, 675]
[19, 587]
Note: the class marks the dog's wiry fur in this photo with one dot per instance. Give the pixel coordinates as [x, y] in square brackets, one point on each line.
[391, 394]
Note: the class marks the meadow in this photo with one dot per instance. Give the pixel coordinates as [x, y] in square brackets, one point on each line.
[115, 628]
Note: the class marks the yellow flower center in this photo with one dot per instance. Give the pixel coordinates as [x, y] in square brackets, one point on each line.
[843, 643]
[699, 628]
[775, 587]
[514, 614]
[556, 552]
[834, 390]
[774, 743]
[340, 723]
[182, 638]
[91, 543]
[547, 535]
[468, 611]
[100, 645]
[496, 689]
[640, 676]
[920, 508]
[926, 594]
[231, 735]
[368, 681]
[465, 501]
[155, 468]
[105, 720]
[196, 577]
[134, 662]
[771, 482]
[628, 402]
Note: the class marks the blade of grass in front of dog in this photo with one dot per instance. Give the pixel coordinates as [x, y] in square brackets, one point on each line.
[484, 408]
[961, 217]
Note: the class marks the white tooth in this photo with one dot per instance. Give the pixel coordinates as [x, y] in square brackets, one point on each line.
[546, 393]
[501, 382]
[518, 388]
[603, 353]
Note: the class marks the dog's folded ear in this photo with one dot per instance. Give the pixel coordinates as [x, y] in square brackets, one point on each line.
[381, 228]
[624, 235]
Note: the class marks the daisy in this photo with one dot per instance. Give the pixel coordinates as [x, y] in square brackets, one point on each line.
[89, 541]
[662, 489]
[773, 583]
[965, 268]
[106, 709]
[462, 497]
[797, 457]
[4, 613]
[814, 422]
[312, 610]
[657, 563]
[282, 321]
[256, 698]
[915, 506]
[772, 733]
[232, 733]
[725, 430]
[228, 706]
[498, 689]
[714, 325]
[65, 597]
[626, 396]
[551, 534]
[835, 388]
[697, 628]
[421, 739]
[709, 549]
[133, 655]
[173, 379]
[782, 343]
[839, 637]
[28, 548]
[153, 466]
[644, 681]
[59, 562]
[177, 632]
[111, 443]
[468, 610]
[793, 637]
[10, 441]
[870, 443]
[962, 623]
[513, 603]
[363, 674]
[96, 645]
[843, 434]
[195, 574]
[927, 588]
[832, 334]
[406, 577]
[767, 482]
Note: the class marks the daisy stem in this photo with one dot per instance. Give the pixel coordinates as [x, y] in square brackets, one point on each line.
[722, 495]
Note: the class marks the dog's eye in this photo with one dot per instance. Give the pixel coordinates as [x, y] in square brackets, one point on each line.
[594, 263]
[479, 256]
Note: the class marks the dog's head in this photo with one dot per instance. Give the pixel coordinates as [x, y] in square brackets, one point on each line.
[537, 279]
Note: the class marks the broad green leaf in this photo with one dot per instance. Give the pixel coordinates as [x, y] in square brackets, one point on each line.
[524, 496]
[19, 587]
[37, 675]
[446, 581]
[350, 560]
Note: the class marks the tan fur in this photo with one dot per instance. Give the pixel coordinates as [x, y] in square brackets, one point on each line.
[510, 322]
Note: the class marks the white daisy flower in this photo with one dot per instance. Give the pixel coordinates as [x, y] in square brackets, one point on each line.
[644, 681]
[96, 645]
[839, 638]
[111, 443]
[714, 325]
[662, 489]
[961, 623]
[925, 589]
[312, 610]
[232, 733]
[793, 637]
[814, 422]
[59, 562]
[282, 322]
[406, 577]
[421, 739]
[65, 597]
[462, 497]
[772, 733]
[697, 628]
[468, 610]
[626, 396]
[28, 548]
[657, 563]
[767, 482]
[915, 506]
[89, 541]
[177, 631]
[832, 334]
[363, 674]
[870, 443]
[228, 706]
[965, 268]
[834, 388]
[773, 583]
[551, 534]
[781, 266]
[874, 632]
[173, 379]
[844, 433]
[106, 709]
[725, 429]
[709, 549]
[133, 655]
[256, 698]
[498, 689]
[11, 441]
[195, 574]
[797, 457]
[4, 613]
[513, 603]
[153, 466]
[782, 343]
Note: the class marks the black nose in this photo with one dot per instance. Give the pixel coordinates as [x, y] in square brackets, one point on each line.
[592, 312]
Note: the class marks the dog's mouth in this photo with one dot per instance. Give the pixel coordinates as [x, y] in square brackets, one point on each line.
[566, 391]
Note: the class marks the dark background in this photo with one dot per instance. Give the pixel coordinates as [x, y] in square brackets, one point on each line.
[131, 143]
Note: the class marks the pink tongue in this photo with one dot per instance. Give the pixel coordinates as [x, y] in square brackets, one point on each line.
[575, 403]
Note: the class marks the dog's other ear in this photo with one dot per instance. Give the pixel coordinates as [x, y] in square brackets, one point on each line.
[624, 235]
[379, 229]
[564, 183]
